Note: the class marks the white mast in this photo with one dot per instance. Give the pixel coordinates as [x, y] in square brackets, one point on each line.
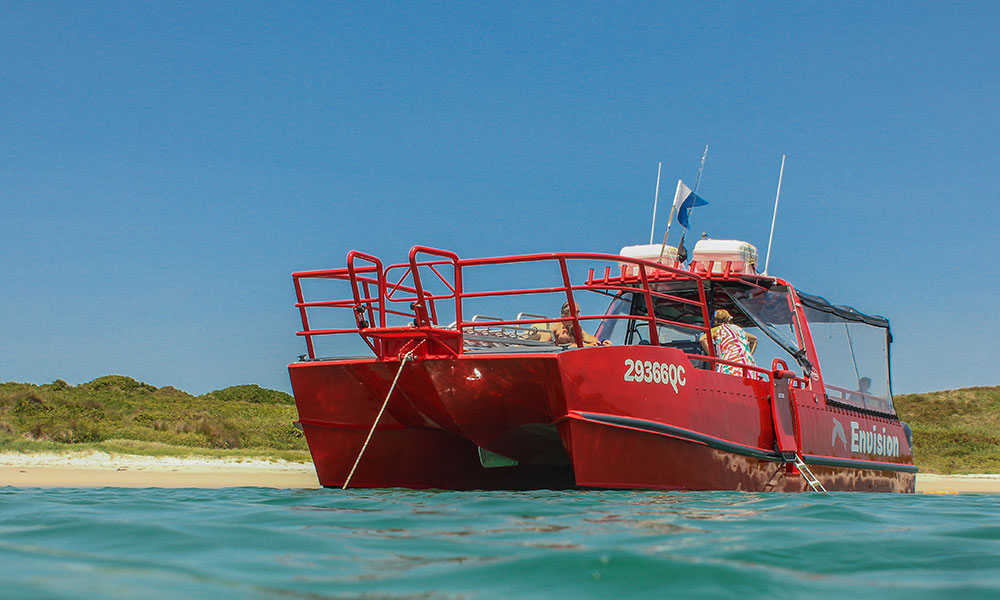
[656, 198]
[775, 217]
[673, 209]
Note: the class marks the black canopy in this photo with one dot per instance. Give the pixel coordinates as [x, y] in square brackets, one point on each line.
[844, 312]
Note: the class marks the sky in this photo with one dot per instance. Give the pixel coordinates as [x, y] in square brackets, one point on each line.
[165, 167]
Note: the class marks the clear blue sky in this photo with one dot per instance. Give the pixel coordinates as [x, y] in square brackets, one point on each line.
[164, 167]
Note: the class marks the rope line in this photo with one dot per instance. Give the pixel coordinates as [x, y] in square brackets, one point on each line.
[402, 363]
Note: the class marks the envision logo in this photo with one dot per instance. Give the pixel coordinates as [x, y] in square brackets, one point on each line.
[873, 442]
[838, 432]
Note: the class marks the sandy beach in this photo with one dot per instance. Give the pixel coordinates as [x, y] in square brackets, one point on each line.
[98, 469]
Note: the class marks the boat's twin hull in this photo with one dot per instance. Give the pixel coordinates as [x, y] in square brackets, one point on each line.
[584, 418]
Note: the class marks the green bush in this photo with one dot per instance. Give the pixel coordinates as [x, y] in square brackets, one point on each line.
[251, 393]
[954, 431]
[118, 382]
[245, 418]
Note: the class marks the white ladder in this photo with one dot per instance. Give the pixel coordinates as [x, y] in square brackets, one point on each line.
[807, 474]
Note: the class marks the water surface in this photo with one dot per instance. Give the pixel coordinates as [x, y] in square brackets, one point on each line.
[263, 543]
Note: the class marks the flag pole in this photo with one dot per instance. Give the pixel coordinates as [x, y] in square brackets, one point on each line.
[673, 208]
[656, 198]
[681, 251]
[775, 217]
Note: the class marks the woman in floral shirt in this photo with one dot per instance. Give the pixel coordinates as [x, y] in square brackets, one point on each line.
[731, 343]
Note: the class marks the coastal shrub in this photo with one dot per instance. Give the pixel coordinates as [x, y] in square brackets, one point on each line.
[169, 391]
[251, 393]
[37, 432]
[219, 433]
[76, 432]
[9, 398]
[119, 382]
[954, 431]
[216, 432]
[93, 406]
[28, 404]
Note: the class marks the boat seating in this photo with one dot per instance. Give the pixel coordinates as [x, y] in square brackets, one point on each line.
[504, 336]
[540, 347]
[489, 332]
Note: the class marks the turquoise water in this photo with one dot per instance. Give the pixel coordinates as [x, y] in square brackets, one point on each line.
[263, 543]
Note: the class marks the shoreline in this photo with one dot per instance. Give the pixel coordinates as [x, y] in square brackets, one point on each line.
[99, 469]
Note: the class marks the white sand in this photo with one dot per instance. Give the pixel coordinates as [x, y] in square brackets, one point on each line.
[100, 469]
[103, 460]
[930, 483]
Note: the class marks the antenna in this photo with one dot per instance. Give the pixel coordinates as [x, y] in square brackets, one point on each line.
[656, 198]
[700, 169]
[775, 217]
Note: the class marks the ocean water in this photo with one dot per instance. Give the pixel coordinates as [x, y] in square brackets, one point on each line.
[265, 543]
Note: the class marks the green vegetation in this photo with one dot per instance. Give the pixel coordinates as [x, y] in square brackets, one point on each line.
[955, 431]
[121, 415]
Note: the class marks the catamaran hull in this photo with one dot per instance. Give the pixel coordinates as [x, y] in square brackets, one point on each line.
[419, 459]
[582, 418]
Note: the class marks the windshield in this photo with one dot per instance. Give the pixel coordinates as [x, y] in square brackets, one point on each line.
[854, 357]
[769, 317]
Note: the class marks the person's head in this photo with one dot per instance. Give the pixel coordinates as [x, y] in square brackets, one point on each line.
[864, 384]
[565, 308]
[722, 316]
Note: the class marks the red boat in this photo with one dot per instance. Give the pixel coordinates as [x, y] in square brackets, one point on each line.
[466, 386]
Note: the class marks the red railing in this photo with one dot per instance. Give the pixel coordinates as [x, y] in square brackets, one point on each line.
[378, 292]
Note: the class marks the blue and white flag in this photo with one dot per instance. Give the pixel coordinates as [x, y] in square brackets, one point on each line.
[684, 201]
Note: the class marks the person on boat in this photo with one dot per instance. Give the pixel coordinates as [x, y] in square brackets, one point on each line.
[864, 389]
[562, 333]
[731, 343]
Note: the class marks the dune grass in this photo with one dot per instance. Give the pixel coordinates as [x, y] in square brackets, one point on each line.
[119, 414]
[954, 431]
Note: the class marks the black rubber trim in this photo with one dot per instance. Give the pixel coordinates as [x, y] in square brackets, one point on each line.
[827, 461]
[871, 412]
[654, 427]
[719, 444]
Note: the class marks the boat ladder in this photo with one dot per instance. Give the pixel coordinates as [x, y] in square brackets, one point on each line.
[814, 483]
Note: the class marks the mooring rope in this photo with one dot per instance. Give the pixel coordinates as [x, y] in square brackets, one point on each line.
[402, 363]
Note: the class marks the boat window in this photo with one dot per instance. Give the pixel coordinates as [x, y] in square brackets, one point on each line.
[636, 331]
[617, 330]
[853, 355]
[769, 317]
